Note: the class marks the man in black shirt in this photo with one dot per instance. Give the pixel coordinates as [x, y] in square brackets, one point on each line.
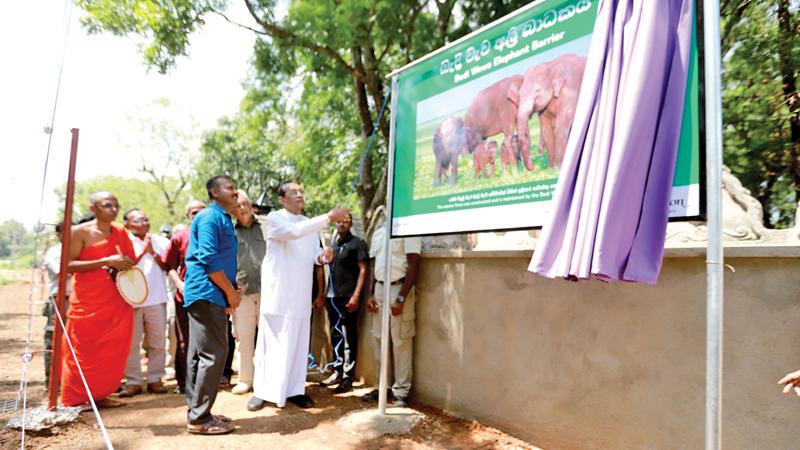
[349, 273]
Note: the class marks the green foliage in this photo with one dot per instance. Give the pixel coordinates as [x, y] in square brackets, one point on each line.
[319, 80]
[17, 245]
[758, 142]
[131, 193]
[165, 24]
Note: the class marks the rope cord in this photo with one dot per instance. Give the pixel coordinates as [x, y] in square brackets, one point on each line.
[85, 384]
[27, 356]
[337, 326]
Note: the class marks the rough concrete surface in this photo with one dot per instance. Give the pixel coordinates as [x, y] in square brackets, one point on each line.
[370, 423]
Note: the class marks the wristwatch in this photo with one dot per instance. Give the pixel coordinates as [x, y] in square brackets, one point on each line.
[400, 299]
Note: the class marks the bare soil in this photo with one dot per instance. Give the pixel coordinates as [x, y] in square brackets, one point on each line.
[158, 421]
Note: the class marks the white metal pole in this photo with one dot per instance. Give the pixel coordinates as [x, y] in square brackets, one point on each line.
[387, 281]
[714, 253]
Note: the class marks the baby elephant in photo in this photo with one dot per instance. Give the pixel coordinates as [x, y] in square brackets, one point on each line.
[449, 141]
[484, 156]
[508, 154]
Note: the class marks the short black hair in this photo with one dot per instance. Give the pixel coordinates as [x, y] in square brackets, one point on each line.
[125, 216]
[214, 182]
[59, 226]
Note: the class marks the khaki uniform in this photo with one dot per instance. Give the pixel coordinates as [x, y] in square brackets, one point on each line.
[402, 328]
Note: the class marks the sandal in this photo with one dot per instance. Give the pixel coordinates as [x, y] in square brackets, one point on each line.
[221, 418]
[213, 426]
[104, 403]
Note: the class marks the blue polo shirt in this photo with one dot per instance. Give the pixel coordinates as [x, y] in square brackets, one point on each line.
[212, 247]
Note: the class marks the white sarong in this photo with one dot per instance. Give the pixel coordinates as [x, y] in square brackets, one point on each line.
[281, 358]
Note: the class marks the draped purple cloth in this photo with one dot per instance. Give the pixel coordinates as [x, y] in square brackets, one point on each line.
[610, 208]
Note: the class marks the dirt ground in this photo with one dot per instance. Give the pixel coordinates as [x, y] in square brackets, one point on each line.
[158, 421]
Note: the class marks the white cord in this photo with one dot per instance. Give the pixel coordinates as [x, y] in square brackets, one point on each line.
[85, 384]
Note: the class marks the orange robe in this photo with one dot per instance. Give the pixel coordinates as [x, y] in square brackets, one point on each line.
[100, 326]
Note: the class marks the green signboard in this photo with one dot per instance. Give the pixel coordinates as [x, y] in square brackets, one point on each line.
[477, 150]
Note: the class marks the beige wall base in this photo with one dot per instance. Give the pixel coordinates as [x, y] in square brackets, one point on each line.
[594, 365]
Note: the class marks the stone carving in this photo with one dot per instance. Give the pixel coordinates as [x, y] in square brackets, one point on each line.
[742, 219]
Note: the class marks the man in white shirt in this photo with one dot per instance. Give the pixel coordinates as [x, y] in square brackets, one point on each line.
[149, 318]
[293, 248]
[51, 264]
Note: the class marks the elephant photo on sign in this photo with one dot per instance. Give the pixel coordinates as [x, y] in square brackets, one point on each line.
[518, 116]
[494, 111]
[550, 89]
[449, 141]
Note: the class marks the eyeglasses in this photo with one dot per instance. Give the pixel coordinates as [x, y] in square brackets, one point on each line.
[140, 221]
[108, 205]
[344, 222]
[194, 212]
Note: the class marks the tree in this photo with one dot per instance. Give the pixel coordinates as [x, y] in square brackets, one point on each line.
[165, 139]
[13, 235]
[761, 104]
[17, 244]
[131, 193]
[343, 49]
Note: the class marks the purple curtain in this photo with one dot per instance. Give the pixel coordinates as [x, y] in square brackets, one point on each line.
[610, 208]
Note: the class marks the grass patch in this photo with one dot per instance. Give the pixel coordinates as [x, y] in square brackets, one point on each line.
[466, 182]
[13, 276]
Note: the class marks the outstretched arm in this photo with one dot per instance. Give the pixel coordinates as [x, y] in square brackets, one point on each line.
[280, 229]
[791, 382]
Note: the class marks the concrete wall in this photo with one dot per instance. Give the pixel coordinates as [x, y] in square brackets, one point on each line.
[594, 365]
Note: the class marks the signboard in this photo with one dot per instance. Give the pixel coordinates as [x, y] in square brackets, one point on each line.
[476, 143]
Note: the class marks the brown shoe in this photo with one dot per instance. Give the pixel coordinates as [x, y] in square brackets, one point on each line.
[213, 426]
[130, 391]
[156, 388]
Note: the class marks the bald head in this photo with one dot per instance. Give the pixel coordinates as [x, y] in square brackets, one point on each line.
[194, 207]
[194, 204]
[243, 195]
[104, 206]
[98, 197]
[244, 209]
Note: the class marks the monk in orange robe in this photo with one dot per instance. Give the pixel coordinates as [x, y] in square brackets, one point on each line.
[100, 322]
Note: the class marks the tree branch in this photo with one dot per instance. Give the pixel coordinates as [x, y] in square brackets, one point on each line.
[293, 39]
[221, 14]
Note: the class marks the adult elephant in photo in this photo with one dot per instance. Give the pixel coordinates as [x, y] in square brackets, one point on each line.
[449, 141]
[494, 111]
[550, 89]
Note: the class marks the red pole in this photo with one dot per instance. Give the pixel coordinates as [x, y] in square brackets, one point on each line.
[55, 362]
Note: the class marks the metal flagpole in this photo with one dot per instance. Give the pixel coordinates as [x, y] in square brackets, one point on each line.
[61, 294]
[714, 253]
[387, 281]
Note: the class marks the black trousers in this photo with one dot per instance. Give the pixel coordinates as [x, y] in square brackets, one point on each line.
[228, 372]
[182, 343]
[208, 349]
[348, 324]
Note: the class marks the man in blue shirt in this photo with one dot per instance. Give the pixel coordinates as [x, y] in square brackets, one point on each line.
[209, 293]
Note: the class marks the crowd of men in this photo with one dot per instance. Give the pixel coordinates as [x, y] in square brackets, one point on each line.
[229, 277]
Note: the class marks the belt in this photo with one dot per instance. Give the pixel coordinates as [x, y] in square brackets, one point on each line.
[400, 281]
